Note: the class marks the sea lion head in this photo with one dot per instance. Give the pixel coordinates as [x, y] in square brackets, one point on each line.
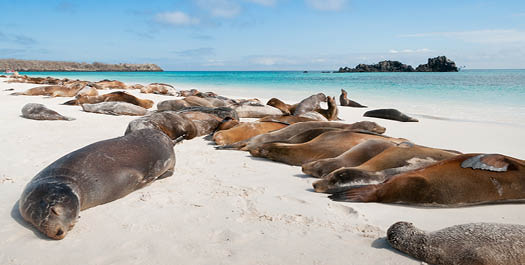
[321, 97]
[343, 92]
[52, 208]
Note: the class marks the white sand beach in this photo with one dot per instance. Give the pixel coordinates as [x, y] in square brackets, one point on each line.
[222, 206]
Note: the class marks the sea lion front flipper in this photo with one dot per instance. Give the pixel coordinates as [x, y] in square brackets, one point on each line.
[364, 193]
[490, 162]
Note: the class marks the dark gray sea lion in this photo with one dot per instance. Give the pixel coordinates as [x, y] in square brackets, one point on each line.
[462, 180]
[389, 114]
[254, 111]
[115, 108]
[466, 244]
[36, 111]
[94, 175]
[310, 103]
[172, 104]
[171, 123]
[344, 101]
[221, 112]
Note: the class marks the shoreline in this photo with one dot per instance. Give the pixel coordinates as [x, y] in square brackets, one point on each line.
[223, 206]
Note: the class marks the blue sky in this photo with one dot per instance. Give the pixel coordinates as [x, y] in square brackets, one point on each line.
[265, 34]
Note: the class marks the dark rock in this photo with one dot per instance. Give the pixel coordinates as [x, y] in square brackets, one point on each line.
[383, 66]
[438, 64]
[56, 66]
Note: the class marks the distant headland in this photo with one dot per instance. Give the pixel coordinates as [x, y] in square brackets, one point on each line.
[57, 66]
[437, 64]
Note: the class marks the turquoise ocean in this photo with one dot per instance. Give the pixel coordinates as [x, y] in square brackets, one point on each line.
[495, 96]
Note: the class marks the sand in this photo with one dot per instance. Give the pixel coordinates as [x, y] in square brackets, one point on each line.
[222, 207]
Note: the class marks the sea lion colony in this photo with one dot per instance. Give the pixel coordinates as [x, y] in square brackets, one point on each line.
[343, 156]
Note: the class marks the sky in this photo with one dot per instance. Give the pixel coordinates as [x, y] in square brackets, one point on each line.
[265, 34]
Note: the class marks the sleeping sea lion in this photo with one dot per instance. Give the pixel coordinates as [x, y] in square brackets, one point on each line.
[158, 88]
[94, 175]
[171, 123]
[110, 84]
[466, 244]
[256, 111]
[389, 114]
[285, 118]
[115, 108]
[344, 101]
[53, 91]
[113, 96]
[36, 111]
[462, 180]
[245, 131]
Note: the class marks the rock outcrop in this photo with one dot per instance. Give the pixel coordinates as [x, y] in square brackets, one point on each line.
[56, 66]
[438, 64]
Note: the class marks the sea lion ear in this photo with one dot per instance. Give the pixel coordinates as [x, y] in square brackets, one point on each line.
[490, 162]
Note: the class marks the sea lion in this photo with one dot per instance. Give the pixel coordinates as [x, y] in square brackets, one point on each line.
[393, 160]
[136, 86]
[287, 109]
[205, 123]
[115, 108]
[252, 111]
[300, 127]
[158, 88]
[36, 111]
[344, 101]
[221, 112]
[88, 90]
[113, 96]
[285, 118]
[171, 123]
[462, 180]
[467, 244]
[330, 113]
[310, 103]
[389, 114]
[326, 145]
[173, 104]
[187, 93]
[245, 130]
[94, 175]
[204, 102]
[313, 115]
[110, 84]
[355, 156]
[53, 91]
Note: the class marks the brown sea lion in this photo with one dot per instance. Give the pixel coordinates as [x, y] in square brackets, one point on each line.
[287, 109]
[344, 101]
[245, 130]
[187, 93]
[88, 90]
[204, 102]
[136, 86]
[393, 160]
[115, 108]
[255, 111]
[36, 111]
[464, 179]
[94, 175]
[466, 244]
[205, 123]
[53, 91]
[298, 128]
[355, 156]
[310, 103]
[173, 104]
[285, 118]
[330, 113]
[389, 114]
[113, 96]
[111, 84]
[326, 145]
[158, 88]
[171, 123]
[221, 112]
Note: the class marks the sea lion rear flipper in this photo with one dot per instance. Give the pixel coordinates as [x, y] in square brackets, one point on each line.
[490, 162]
[356, 194]
[71, 102]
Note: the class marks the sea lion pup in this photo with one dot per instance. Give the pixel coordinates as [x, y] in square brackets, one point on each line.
[171, 123]
[94, 175]
[287, 109]
[310, 103]
[468, 244]
[355, 156]
[393, 160]
[36, 111]
[158, 88]
[389, 114]
[245, 131]
[344, 101]
[115, 108]
[111, 84]
[113, 96]
[330, 113]
[53, 91]
[299, 127]
[286, 118]
[462, 180]
[326, 145]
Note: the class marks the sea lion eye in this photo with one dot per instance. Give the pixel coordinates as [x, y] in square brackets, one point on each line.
[56, 210]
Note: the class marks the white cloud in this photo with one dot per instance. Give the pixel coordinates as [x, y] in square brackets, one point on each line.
[176, 18]
[264, 2]
[489, 36]
[424, 50]
[220, 8]
[326, 5]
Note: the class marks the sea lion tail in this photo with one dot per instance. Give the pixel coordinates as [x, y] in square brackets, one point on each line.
[179, 139]
[364, 193]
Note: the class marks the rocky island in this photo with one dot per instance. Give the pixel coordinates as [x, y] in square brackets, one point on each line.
[57, 66]
[437, 64]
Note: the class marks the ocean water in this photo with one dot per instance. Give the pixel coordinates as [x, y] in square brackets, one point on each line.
[496, 96]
